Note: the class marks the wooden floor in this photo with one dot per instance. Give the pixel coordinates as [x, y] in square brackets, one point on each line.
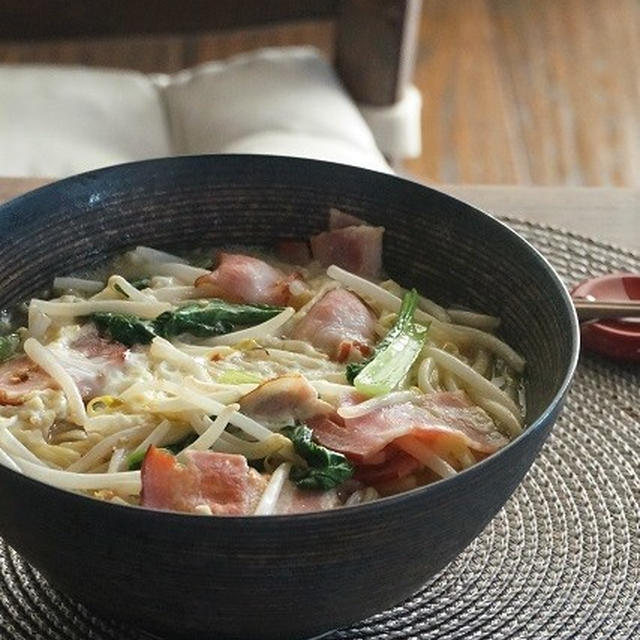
[542, 92]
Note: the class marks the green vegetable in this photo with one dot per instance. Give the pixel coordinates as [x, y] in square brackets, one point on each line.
[214, 318]
[120, 290]
[326, 469]
[141, 283]
[8, 345]
[236, 376]
[124, 328]
[134, 460]
[394, 354]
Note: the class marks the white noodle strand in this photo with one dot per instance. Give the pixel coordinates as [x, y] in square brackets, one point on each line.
[102, 449]
[46, 360]
[155, 437]
[125, 481]
[127, 289]
[472, 378]
[269, 498]
[7, 461]
[362, 408]
[12, 446]
[213, 407]
[163, 350]
[425, 372]
[183, 272]
[78, 284]
[147, 254]
[116, 460]
[215, 428]
[147, 310]
[428, 458]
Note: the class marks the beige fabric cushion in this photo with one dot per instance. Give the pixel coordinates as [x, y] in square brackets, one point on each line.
[305, 145]
[55, 121]
[291, 91]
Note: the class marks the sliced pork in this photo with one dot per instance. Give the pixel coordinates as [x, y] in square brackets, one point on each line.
[241, 278]
[355, 248]
[339, 220]
[220, 482]
[339, 324]
[294, 500]
[91, 345]
[397, 465]
[87, 359]
[293, 251]
[19, 377]
[445, 421]
[284, 400]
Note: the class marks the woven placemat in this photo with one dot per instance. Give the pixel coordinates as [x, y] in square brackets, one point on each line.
[561, 560]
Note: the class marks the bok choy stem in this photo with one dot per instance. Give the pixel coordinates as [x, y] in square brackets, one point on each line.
[394, 354]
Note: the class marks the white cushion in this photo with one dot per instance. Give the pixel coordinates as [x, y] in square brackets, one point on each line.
[290, 90]
[305, 145]
[55, 121]
[397, 128]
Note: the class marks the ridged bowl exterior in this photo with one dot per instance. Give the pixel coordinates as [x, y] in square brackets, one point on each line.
[280, 576]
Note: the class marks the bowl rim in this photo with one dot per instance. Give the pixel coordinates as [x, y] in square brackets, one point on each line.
[529, 432]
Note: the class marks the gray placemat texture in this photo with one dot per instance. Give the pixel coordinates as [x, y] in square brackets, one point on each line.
[561, 560]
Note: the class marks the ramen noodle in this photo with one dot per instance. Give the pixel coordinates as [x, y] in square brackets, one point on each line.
[298, 381]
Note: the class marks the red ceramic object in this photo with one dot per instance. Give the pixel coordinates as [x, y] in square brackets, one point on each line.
[618, 338]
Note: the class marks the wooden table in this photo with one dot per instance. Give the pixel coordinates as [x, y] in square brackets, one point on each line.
[608, 214]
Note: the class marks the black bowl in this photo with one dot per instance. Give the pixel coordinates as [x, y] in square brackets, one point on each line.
[279, 576]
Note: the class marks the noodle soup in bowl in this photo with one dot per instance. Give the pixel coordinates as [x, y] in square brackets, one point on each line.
[184, 571]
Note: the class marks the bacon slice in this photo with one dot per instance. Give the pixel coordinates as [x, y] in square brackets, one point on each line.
[89, 359]
[295, 500]
[241, 278]
[19, 377]
[356, 248]
[397, 466]
[443, 420]
[92, 345]
[284, 399]
[221, 481]
[293, 251]
[86, 359]
[339, 220]
[338, 324]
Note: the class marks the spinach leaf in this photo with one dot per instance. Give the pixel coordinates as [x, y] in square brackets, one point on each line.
[190, 319]
[214, 318]
[202, 320]
[141, 283]
[125, 328]
[8, 345]
[326, 469]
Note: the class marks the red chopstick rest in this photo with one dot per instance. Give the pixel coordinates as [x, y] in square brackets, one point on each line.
[619, 338]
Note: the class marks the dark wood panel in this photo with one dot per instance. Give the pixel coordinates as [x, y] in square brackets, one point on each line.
[375, 46]
[34, 19]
